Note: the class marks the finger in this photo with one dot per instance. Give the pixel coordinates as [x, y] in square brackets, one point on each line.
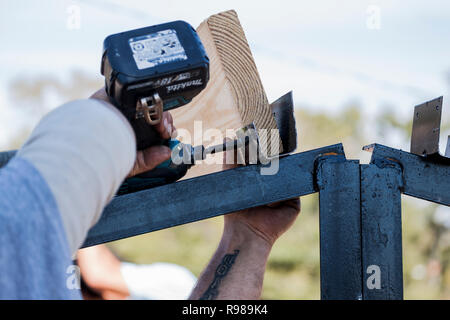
[173, 133]
[148, 159]
[165, 126]
[293, 203]
[100, 94]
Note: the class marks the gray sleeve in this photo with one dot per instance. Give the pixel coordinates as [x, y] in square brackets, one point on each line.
[83, 149]
[35, 260]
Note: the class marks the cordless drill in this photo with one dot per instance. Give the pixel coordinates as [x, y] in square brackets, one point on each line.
[148, 71]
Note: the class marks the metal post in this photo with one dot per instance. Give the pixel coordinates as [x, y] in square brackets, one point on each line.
[340, 228]
[381, 228]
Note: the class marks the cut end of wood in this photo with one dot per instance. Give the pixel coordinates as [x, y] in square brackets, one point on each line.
[234, 96]
[237, 64]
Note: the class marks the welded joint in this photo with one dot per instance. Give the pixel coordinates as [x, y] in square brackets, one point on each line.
[318, 164]
[387, 162]
[391, 163]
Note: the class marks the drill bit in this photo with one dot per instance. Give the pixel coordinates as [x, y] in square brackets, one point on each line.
[227, 146]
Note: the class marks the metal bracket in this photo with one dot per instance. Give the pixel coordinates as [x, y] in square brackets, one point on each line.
[426, 129]
[283, 112]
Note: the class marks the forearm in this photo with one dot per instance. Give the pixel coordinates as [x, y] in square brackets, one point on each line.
[237, 268]
[83, 150]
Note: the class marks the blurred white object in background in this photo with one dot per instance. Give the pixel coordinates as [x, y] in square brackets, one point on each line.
[442, 216]
[157, 281]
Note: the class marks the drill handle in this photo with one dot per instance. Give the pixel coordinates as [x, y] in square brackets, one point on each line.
[146, 134]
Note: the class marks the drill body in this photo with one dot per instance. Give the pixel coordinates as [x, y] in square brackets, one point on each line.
[148, 71]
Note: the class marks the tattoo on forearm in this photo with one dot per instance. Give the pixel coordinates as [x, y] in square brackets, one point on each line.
[227, 262]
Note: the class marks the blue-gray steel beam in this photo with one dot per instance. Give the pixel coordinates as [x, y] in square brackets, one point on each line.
[447, 149]
[425, 178]
[340, 228]
[207, 196]
[5, 156]
[381, 227]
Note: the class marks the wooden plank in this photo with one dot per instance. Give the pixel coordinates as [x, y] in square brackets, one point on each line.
[234, 96]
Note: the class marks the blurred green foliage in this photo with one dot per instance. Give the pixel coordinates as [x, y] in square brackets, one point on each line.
[294, 264]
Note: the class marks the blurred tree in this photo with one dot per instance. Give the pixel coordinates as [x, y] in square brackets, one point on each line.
[388, 121]
[34, 93]
[33, 97]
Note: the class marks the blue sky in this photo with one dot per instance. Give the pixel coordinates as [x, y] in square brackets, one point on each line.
[323, 50]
